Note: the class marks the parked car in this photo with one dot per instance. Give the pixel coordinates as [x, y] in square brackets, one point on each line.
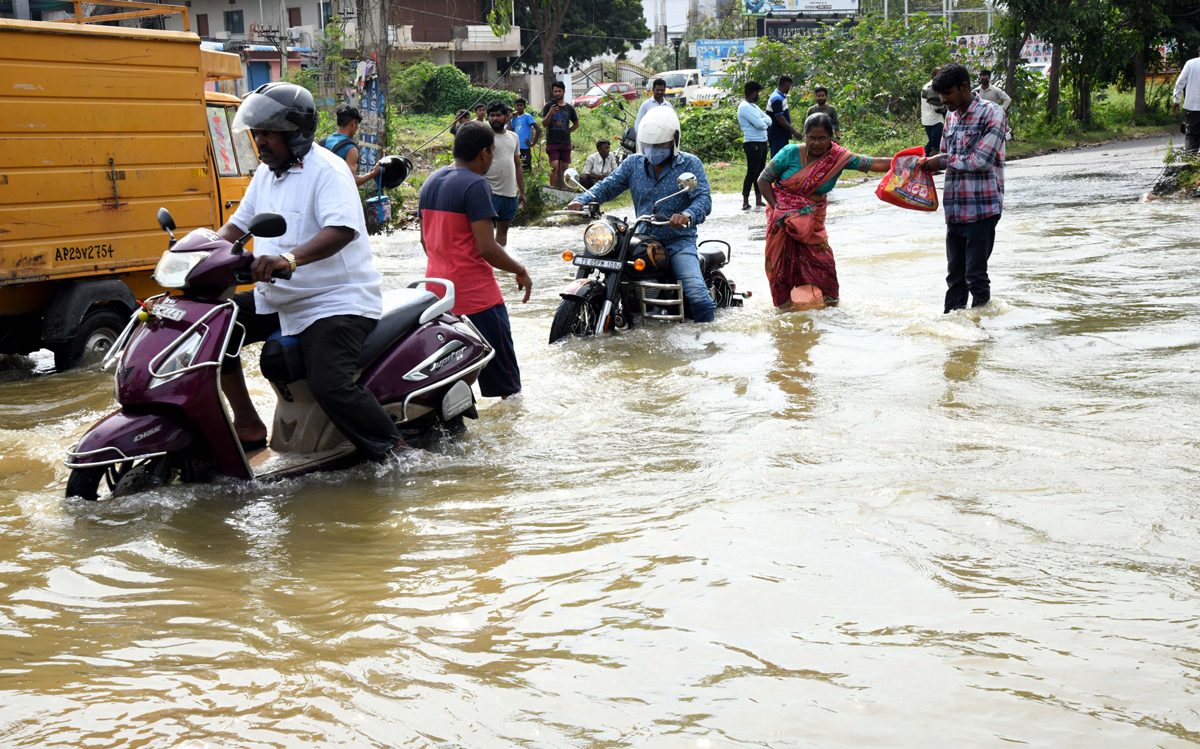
[711, 94]
[601, 92]
[680, 84]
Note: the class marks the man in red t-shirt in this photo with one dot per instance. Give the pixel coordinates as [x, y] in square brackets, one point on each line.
[457, 232]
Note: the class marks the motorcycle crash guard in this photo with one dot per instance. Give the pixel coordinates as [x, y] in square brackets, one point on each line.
[123, 436]
[578, 289]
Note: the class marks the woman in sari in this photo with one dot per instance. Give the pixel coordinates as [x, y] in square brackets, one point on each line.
[794, 183]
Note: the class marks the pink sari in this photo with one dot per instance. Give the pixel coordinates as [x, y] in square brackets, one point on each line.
[798, 251]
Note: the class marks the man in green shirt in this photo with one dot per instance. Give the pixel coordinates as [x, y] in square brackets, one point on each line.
[824, 107]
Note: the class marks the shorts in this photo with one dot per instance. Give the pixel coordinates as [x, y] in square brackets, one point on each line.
[526, 159]
[506, 208]
[501, 376]
[560, 152]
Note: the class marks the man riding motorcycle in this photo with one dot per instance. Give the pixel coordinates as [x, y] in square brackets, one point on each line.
[651, 175]
[333, 298]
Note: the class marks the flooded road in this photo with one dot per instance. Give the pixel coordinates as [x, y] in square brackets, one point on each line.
[867, 526]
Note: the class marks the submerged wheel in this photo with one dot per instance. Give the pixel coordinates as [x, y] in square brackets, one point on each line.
[722, 291]
[577, 317]
[119, 479]
[96, 335]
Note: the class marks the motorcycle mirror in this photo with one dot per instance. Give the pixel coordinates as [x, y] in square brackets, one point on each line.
[687, 181]
[571, 177]
[165, 221]
[271, 224]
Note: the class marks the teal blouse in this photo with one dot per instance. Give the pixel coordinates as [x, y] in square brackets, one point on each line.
[787, 162]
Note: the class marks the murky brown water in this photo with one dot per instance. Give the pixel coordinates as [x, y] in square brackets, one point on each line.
[869, 526]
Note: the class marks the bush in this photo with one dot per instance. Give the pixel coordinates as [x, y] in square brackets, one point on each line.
[448, 90]
[408, 84]
[712, 135]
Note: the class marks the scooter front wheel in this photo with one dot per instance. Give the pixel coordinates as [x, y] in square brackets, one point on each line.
[119, 479]
[576, 317]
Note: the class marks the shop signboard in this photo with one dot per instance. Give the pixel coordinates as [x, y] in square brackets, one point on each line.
[822, 8]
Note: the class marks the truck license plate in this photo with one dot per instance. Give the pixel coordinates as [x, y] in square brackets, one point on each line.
[168, 312]
[592, 262]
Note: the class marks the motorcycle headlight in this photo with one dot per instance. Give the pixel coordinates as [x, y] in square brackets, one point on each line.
[173, 269]
[181, 357]
[599, 238]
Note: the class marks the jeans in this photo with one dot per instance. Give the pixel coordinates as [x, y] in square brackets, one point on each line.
[934, 135]
[756, 161]
[685, 261]
[777, 144]
[968, 247]
[330, 348]
[1191, 138]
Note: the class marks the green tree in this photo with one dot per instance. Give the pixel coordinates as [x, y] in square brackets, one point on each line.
[592, 28]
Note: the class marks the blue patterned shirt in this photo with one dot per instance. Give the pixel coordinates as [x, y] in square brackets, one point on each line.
[637, 175]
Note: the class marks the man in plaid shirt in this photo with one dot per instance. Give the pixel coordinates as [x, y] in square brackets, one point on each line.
[973, 195]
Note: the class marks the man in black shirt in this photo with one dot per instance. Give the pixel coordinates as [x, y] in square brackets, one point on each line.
[560, 121]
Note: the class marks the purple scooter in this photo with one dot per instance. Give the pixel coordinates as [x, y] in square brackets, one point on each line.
[420, 362]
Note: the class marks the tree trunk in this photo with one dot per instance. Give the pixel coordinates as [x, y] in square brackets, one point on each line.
[1139, 82]
[1052, 91]
[1014, 58]
[548, 41]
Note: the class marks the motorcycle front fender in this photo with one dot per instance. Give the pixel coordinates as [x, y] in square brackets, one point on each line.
[122, 436]
[578, 288]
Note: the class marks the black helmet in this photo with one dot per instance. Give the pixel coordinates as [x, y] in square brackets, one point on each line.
[284, 108]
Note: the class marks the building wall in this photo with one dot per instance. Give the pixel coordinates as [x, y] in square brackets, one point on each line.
[433, 20]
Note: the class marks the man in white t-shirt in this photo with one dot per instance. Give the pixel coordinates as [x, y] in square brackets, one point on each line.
[933, 116]
[599, 165]
[1189, 83]
[505, 175]
[333, 299]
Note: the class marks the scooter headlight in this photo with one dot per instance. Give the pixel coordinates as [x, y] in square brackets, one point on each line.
[181, 357]
[173, 269]
[599, 238]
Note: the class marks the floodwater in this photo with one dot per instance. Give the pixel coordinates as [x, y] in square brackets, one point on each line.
[867, 526]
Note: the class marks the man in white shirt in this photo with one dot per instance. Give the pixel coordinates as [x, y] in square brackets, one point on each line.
[599, 165]
[1189, 81]
[659, 88]
[333, 299]
[986, 91]
[505, 175]
[933, 116]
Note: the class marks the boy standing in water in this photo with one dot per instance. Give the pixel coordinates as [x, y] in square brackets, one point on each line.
[456, 232]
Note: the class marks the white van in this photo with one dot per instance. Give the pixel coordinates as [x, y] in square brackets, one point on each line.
[680, 84]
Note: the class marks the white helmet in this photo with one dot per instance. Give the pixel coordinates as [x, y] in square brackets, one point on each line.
[660, 125]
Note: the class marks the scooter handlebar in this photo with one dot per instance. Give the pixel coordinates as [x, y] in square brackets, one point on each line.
[242, 277]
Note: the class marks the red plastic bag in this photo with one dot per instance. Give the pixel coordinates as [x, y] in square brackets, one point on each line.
[906, 187]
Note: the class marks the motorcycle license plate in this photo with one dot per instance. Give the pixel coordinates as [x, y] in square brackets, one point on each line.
[167, 312]
[594, 262]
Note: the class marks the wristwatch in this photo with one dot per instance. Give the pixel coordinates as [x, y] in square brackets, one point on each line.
[291, 260]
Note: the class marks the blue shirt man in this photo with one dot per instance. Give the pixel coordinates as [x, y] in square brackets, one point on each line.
[781, 129]
[638, 175]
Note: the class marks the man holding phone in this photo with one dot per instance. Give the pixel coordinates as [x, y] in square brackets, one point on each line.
[560, 121]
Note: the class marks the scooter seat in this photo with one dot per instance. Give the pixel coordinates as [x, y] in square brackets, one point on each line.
[402, 310]
[711, 260]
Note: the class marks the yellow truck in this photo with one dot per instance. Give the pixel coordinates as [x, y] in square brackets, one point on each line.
[99, 127]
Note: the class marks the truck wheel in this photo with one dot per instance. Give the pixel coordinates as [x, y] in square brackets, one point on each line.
[97, 333]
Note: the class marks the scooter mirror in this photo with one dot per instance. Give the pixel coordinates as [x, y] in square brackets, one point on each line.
[687, 181]
[269, 225]
[571, 177]
[165, 221]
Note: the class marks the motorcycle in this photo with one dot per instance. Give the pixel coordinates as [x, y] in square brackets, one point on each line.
[625, 277]
[420, 362]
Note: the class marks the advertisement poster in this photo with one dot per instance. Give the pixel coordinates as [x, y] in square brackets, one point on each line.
[709, 51]
[371, 129]
[818, 7]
